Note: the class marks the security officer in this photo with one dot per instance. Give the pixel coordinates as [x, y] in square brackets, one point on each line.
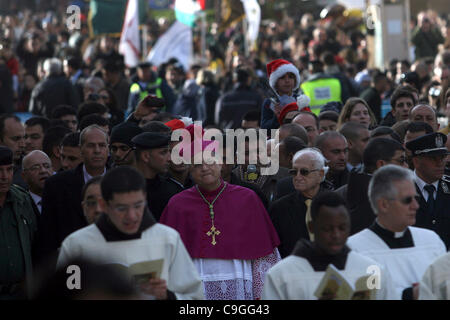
[120, 146]
[321, 87]
[429, 154]
[147, 82]
[18, 225]
[152, 160]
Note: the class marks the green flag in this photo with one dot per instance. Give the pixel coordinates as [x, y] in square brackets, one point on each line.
[106, 16]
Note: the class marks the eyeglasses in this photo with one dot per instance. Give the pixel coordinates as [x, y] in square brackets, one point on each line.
[122, 209]
[104, 97]
[408, 200]
[304, 172]
[38, 166]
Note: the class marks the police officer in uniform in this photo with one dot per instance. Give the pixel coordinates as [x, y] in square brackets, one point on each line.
[429, 154]
[147, 82]
[152, 160]
[321, 87]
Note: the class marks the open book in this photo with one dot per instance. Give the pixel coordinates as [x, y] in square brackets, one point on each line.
[142, 271]
[334, 286]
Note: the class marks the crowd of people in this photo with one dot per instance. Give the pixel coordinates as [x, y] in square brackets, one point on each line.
[90, 178]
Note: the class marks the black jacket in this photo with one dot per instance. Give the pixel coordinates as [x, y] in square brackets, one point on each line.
[62, 213]
[288, 216]
[440, 221]
[159, 192]
[357, 199]
[233, 105]
[51, 92]
[338, 179]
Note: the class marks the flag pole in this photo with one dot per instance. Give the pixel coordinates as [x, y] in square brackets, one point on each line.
[245, 27]
[203, 36]
[144, 41]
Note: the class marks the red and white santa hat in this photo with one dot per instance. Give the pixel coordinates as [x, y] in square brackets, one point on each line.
[278, 68]
[302, 104]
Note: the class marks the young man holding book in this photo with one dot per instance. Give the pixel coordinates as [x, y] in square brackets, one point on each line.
[127, 234]
[298, 276]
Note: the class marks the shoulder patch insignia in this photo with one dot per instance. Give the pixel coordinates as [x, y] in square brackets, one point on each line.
[445, 187]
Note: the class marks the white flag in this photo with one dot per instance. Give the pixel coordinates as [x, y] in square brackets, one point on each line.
[130, 45]
[174, 43]
[253, 17]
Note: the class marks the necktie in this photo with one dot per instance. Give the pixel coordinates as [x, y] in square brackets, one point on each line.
[308, 218]
[430, 202]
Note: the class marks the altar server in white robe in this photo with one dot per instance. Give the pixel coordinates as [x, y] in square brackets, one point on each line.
[435, 284]
[127, 233]
[297, 276]
[405, 251]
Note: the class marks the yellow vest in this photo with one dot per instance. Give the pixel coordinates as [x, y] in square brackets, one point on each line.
[135, 88]
[321, 91]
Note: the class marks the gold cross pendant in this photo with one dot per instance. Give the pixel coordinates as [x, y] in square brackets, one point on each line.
[213, 232]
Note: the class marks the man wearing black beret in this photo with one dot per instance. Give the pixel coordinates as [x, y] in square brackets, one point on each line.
[121, 147]
[18, 227]
[429, 154]
[152, 160]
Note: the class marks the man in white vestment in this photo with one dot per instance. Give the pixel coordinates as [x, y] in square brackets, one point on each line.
[435, 284]
[405, 251]
[298, 276]
[127, 233]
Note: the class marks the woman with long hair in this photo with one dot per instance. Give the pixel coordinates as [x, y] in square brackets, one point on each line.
[357, 110]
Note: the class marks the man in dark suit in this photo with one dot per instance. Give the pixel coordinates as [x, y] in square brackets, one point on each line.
[62, 213]
[429, 154]
[290, 213]
[379, 152]
[334, 147]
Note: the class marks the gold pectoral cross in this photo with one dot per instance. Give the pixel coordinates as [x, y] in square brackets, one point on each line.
[213, 232]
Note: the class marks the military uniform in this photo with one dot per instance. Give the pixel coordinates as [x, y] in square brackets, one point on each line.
[433, 213]
[159, 188]
[18, 225]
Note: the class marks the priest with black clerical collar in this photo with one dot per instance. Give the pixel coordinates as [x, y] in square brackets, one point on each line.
[298, 276]
[405, 251]
[127, 234]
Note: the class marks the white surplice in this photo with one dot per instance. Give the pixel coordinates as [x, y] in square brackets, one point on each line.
[435, 284]
[295, 279]
[405, 265]
[157, 242]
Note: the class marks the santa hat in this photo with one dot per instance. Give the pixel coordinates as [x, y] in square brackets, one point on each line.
[278, 68]
[302, 104]
[175, 124]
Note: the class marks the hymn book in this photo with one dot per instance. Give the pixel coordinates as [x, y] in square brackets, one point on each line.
[142, 272]
[334, 286]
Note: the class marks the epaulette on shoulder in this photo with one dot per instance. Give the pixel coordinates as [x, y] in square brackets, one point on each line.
[445, 184]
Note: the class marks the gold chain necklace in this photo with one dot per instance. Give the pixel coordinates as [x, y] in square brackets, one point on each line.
[213, 231]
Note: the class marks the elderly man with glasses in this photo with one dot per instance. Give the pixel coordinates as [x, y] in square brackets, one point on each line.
[405, 251]
[290, 214]
[36, 169]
